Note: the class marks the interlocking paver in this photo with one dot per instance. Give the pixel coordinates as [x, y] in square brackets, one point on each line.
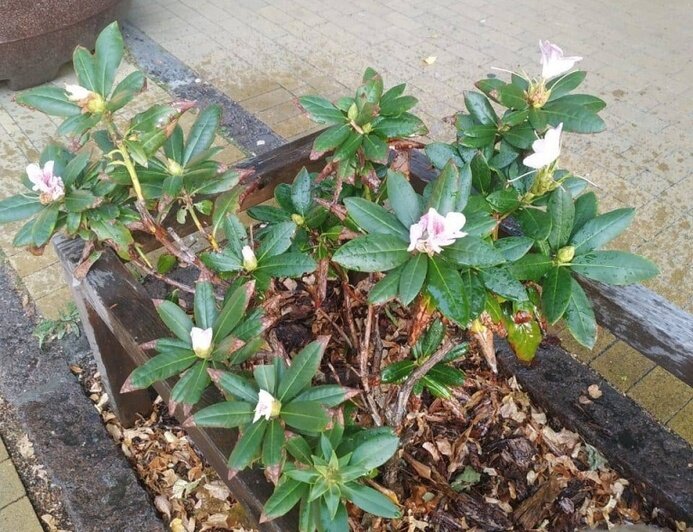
[12, 488]
[622, 365]
[682, 422]
[662, 394]
[19, 517]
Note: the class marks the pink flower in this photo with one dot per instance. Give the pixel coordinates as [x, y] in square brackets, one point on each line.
[50, 186]
[546, 150]
[434, 231]
[267, 406]
[552, 61]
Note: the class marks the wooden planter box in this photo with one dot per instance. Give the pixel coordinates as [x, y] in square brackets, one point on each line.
[118, 315]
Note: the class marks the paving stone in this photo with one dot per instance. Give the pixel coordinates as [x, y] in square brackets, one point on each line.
[682, 422]
[12, 488]
[622, 365]
[604, 340]
[51, 306]
[25, 263]
[45, 281]
[20, 517]
[662, 394]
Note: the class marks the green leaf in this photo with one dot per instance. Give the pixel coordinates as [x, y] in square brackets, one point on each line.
[266, 377]
[579, 316]
[445, 190]
[586, 208]
[329, 395]
[514, 247]
[473, 251]
[306, 416]
[524, 338]
[475, 290]
[161, 367]
[512, 96]
[375, 219]
[396, 372]
[284, 498]
[521, 136]
[480, 108]
[204, 305]
[108, 54]
[404, 125]
[50, 100]
[74, 168]
[614, 267]
[19, 207]
[126, 90]
[500, 281]
[405, 202]
[385, 289]
[247, 446]
[441, 153]
[564, 84]
[478, 136]
[412, 278]
[601, 230]
[375, 149]
[372, 253]
[321, 110]
[23, 236]
[534, 223]
[329, 139]
[447, 291]
[224, 204]
[269, 214]
[301, 196]
[349, 147]
[83, 63]
[175, 318]
[80, 200]
[44, 224]
[192, 384]
[273, 445]
[562, 212]
[222, 262]
[375, 451]
[202, 133]
[226, 415]
[556, 293]
[165, 263]
[531, 267]
[277, 240]
[233, 311]
[481, 174]
[287, 265]
[303, 367]
[575, 119]
[504, 201]
[370, 500]
[586, 101]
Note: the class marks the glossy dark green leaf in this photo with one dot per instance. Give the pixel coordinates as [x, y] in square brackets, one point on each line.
[276, 241]
[349, 147]
[586, 208]
[375, 219]
[386, 289]
[412, 278]
[531, 267]
[248, 446]
[44, 224]
[108, 54]
[396, 372]
[286, 495]
[614, 267]
[562, 212]
[375, 451]
[175, 318]
[321, 110]
[372, 253]
[306, 416]
[579, 316]
[556, 293]
[370, 500]
[500, 281]
[575, 119]
[19, 207]
[405, 202]
[303, 367]
[375, 149]
[192, 384]
[126, 90]
[329, 139]
[50, 100]
[161, 367]
[512, 96]
[534, 223]
[481, 174]
[563, 85]
[480, 108]
[445, 190]
[202, 133]
[514, 247]
[301, 193]
[521, 136]
[475, 290]
[404, 125]
[272, 445]
[447, 291]
[505, 200]
[473, 251]
[441, 153]
[601, 230]
[329, 395]
[290, 264]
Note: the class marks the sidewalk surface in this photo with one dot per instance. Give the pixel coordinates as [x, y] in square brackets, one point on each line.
[265, 53]
[16, 512]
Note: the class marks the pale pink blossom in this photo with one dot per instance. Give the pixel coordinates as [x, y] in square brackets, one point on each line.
[267, 406]
[433, 231]
[201, 341]
[77, 93]
[546, 150]
[49, 185]
[552, 61]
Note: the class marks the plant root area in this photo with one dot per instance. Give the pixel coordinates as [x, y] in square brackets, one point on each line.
[485, 459]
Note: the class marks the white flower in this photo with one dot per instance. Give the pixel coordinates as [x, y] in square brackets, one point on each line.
[201, 341]
[267, 406]
[433, 231]
[249, 259]
[552, 61]
[46, 182]
[546, 150]
[77, 93]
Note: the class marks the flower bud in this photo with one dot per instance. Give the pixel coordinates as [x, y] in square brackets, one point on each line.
[95, 104]
[201, 341]
[249, 259]
[173, 167]
[537, 94]
[367, 128]
[565, 254]
[267, 406]
[353, 112]
[298, 219]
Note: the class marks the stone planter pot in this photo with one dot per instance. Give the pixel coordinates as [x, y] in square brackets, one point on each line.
[38, 37]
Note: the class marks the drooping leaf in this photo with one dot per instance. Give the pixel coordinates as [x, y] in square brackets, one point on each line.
[556, 293]
[614, 267]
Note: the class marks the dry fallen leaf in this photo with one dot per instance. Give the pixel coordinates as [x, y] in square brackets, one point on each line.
[430, 59]
[594, 391]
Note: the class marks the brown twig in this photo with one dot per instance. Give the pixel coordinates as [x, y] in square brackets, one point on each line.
[396, 413]
[150, 271]
[341, 332]
[364, 351]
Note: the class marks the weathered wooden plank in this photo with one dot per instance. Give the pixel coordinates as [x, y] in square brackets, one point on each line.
[126, 309]
[628, 437]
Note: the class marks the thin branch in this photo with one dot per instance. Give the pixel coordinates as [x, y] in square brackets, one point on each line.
[364, 351]
[397, 413]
